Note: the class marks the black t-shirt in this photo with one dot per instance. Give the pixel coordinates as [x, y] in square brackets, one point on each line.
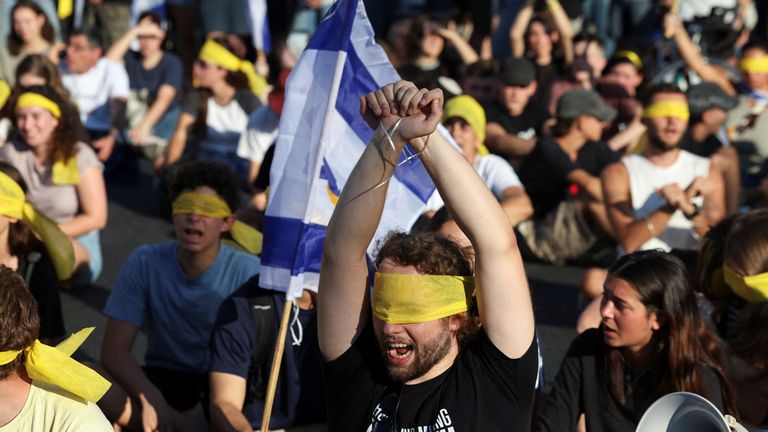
[527, 125]
[545, 77]
[39, 273]
[580, 386]
[483, 390]
[544, 171]
[704, 149]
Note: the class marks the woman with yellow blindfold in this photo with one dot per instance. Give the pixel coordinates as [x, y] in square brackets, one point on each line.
[217, 112]
[63, 175]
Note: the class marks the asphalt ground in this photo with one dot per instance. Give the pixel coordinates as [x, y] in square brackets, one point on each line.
[139, 214]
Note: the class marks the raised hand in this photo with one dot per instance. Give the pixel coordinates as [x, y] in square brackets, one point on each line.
[676, 198]
[420, 109]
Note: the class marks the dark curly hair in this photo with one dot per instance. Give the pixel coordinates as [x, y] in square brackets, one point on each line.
[14, 40]
[70, 131]
[219, 177]
[19, 320]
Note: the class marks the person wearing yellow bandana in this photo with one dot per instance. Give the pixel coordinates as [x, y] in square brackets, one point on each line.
[63, 176]
[412, 355]
[41, 387]
[174, 290]
[217, 112]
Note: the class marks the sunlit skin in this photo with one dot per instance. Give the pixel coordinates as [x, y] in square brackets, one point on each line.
[197, 233]
[665, 133]
[626, 76]
[36, 126]
[626, 322]
[81, 57]
[415, 353]
[591, 127]
[28, 24]
[463, 133]
[755, 81]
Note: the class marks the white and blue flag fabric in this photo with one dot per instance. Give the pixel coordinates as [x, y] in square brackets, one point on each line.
[321, 137]
[257, 16]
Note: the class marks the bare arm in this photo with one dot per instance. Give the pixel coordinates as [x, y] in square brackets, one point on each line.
[712, 188]
[466, 52]
[516, 204]
[164, 98]
[179, 138]
[92, 197]
[505, 144]
[563, 26]
[118, 49]
[227, 397]
[517, 31]
[587, 182]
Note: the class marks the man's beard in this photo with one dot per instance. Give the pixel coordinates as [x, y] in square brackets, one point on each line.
[656, 142]
[425, 356]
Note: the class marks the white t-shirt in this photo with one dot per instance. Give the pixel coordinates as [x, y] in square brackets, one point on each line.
[51, 409]
[93, 90]
[259, 135]
[224, 126]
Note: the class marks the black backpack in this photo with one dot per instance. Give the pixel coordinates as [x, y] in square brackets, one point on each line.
[264, 312]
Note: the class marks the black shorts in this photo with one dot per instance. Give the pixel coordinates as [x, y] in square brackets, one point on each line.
[182, 390]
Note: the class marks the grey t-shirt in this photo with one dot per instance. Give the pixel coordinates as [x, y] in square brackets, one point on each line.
[58, 202]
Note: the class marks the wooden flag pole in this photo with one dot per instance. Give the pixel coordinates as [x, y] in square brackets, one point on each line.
[277, 360]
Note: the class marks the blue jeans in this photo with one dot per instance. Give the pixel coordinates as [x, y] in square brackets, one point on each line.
[598, 12]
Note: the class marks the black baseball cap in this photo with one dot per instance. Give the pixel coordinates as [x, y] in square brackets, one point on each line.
[578, 102]
[517, 71]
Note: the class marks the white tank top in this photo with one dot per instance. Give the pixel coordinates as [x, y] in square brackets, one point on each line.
[645, 178]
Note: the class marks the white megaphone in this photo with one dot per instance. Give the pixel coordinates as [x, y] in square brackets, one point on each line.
[682, 412]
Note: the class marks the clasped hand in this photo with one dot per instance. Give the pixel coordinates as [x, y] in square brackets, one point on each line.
[420, 110]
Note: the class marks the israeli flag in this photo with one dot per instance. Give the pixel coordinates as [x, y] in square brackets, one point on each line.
[138, 7]
[321, 137]
[257, 16]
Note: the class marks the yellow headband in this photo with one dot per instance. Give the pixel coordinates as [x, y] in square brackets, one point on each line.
[753, 289]
[632, 57]
[662, 109]
[245, 236]
[5, 91]
[30, 99]
[754, 65]
[13, 204]
[405, 299]
[215, 53]
[55, 366]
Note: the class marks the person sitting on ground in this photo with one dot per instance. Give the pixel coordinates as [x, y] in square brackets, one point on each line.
[41, 388]
[651, 341]
[515, 120]
[156, 81]
[709, 105]
[31, 34]
[465, 120]
[413, 362]
[63, 176]
[217, 112]
[175, 290]
[241, 352]
[100, 88]
[561, 175]
[33, 246]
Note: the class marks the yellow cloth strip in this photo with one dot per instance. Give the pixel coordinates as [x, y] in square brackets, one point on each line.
[30, 99]
[753, 289]
[405, 299]
[662, 109]
[55, 366]
[632, 57]
[466, 108]
[215, 53]
[754, 65]
[5, 91]
[13, 204]
[245, 236]
[65, 9]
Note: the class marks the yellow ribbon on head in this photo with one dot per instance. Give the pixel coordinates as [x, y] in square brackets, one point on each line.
[468, 109]
[5, 91]
[213, 52]
[13, 204]
[245, 236]
[406, 299]
[633, 58]
[56, 366]
[65, 8]
[753, 289]
[64, 172]
[668, 108]
[754, 65]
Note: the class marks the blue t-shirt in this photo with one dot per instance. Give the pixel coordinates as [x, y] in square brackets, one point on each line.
[300, 398]
[168, 71]
[176, 311]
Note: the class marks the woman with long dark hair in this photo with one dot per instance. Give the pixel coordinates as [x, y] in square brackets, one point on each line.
[652, 341]
[63, 175]
[31, 33]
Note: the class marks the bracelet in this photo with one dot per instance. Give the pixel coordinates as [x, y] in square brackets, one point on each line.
[552, 5]
[650, 227]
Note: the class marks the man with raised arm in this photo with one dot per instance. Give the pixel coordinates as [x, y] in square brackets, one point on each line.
[418, 354]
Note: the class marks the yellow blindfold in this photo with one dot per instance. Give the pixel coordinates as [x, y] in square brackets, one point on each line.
[214, 53]
[5, 91]
[405, 299]
[662, 109]
[245, 236]
[754, 65]
[55, 366]
[13, 204]
[753, 289]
